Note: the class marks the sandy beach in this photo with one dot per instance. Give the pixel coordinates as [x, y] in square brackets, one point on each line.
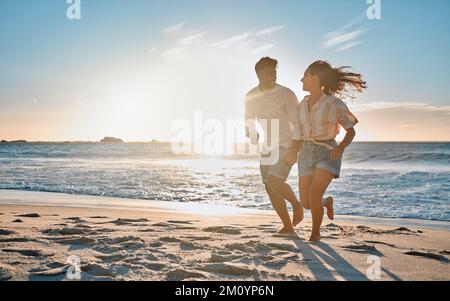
[119, 239]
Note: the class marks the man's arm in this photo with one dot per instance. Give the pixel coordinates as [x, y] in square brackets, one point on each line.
[292, 110]
[250, 120]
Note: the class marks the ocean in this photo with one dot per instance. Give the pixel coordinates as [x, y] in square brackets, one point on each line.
[391, 180]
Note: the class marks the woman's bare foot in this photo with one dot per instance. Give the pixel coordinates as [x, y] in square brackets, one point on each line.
[298, 215]
[329, 204]
[315, 238]
[287, 231]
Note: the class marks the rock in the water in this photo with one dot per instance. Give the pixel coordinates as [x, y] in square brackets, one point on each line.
[111, 140]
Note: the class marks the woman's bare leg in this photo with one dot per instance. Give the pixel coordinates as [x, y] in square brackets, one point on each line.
[320, 182]
[304, 185]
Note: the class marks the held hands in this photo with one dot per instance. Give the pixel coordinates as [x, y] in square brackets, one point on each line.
[336, 153]
[291, 157]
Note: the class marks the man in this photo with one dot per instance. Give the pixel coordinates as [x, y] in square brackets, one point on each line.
[270, 104]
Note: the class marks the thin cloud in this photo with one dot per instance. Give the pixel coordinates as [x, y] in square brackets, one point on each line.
[264, 48]
[192, 38]
[247, 38]
[348, 46]
[177, 52]
[346, 37]
[153, 50]
[174, 28]
[234, 40]
[269, 30]
[249, 41]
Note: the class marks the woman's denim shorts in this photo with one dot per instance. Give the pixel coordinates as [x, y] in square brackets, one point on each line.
[314, 156]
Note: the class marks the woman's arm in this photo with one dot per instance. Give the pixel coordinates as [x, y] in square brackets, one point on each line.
[339, 151]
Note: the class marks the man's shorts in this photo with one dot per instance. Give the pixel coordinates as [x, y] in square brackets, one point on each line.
[279, 169]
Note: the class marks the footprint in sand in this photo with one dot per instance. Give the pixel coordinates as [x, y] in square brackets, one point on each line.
[169, 239]
[231, 269]
[333, 226]
[30, 252]
[30, 215]
[250, 236]
[67, 231]
[123, 239]
[223, 230]
[276, 263]
[428, 254]
[283, 247]
[6, 232]
[51, 272]
[154, 266]
[182, 274]
[155, 244]
[97, 270]
[363, 248]
[18, 239]
[6, 273]
[75, 219]
[147, 230]
[220, 257]
[115, 257]
[197, 238]
[180, 222]
[77, 241]
[162, 225]
[380, 243]
[190, 246]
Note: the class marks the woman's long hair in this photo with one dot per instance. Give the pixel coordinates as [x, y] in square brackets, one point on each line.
[337, 81]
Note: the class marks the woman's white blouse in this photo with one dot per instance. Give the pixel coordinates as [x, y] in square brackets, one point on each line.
[324, 121]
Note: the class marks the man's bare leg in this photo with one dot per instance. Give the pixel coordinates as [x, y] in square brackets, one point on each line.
[285, 191]
[280, 207]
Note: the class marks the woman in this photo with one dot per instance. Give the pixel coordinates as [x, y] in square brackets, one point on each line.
[320, 116]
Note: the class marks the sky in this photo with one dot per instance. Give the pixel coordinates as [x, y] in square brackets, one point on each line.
[132, 69]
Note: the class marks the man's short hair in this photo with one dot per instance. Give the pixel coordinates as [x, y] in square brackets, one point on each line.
[266, 62]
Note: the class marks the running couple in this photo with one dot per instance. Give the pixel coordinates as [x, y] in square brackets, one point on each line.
[306, 134]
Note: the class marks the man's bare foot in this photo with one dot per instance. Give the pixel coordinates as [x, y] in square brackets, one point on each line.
[329, 204]
[315, 238]
[298, 215]
[287, 231]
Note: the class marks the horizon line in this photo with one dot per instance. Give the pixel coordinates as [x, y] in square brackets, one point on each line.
[165, 142]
